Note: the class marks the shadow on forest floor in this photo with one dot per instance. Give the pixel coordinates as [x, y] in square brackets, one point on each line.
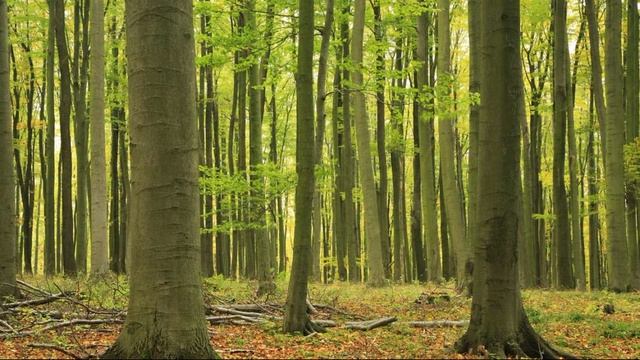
[83, 317]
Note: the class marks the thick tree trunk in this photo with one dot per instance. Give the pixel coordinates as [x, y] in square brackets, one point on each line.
[617, 249]
[7, 175]
[99, 217]
[365, 163]
[165, 318]
[474, 23]
[427, 171]
[498, 321]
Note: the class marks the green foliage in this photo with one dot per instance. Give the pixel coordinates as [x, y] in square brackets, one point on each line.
[632, 164]
[240, 186]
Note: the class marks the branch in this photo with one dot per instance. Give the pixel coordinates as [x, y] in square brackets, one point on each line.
[56, 348]
[371, 324]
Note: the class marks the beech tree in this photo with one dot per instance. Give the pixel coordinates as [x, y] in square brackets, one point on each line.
[498, 321]
[165, 318]
[7, 175]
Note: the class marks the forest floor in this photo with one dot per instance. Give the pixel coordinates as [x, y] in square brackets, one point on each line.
[573, 320]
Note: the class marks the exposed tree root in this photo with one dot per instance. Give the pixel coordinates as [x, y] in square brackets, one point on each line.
[526, 343]
[312, 327]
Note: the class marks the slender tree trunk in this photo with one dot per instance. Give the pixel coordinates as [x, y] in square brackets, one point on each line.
[68, 261]
[296, 318]
[596, 72]
[347, 155]
[617, 249]
[99, 217]
[320, 134]
[80, 76]
[562, 235]
[381, 139]
[49, 207]
[452, 196]
[258, 239]
[7, 175]
[165, 317]
[577, 246]
[365, 164]
[427, 171]
[397, 167]
[594, 222]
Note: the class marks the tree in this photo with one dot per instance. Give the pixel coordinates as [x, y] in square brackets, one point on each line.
[427, 171]
[365, 164]
[617, 250]
[632, 108]
[561, 233]
[49, 186]
[165, 318]
[498, 321]
[99, 241]
[7, 175]
[68, 257]
[320, 130]
[450, 189]
[296, 318]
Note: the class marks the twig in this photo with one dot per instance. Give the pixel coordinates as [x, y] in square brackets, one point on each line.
[74, 322]
[56, 348]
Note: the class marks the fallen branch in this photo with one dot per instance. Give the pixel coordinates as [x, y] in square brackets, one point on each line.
[325, 323]
[230, 318]
[35, 302]
[56, 348]
[75, 322]
[438, 324]
[371, 324]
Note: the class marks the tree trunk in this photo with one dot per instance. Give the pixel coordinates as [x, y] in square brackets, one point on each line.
[577, 246]
[319, 139]
[498, 321]
[397, 167]
[451, 191]
[165, 318]
[49, 206]
[365, 164]
[595, 281]
[632, 90]
[617, 249]
[80, 73]
[380, 139]
[416, 209]
[68, 261]
[99, 218]
[7, 175]
[296, 318]
[347, 153]
[596, 72]
[562, 235]
[427, 171]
